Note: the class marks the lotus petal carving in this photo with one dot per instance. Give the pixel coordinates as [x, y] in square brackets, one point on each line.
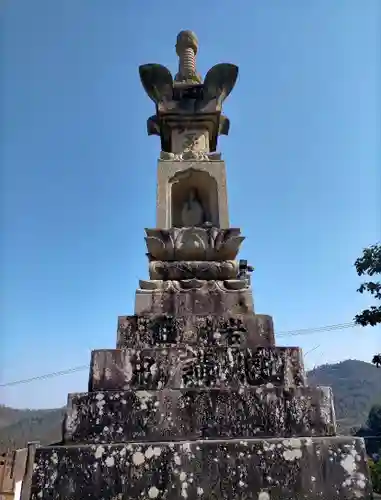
[159, 245]
[235, 284]
[191, 284]
[188, 270]
[153, 286]
[193, 244]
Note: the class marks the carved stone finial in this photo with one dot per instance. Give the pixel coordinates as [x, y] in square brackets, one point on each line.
[188, 115]
[186, 49]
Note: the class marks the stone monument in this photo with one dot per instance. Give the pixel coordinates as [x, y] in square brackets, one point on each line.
[196, 401]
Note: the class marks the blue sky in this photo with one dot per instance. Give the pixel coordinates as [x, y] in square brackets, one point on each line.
[78, 175]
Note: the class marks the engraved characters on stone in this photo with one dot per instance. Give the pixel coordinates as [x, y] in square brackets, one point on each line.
[188, 139]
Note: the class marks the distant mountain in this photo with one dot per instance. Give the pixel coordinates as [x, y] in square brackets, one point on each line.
[18, 427]
[356, 386]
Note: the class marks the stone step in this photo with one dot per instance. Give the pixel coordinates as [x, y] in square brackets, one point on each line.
[248, 330]
[112, 416]
[185, 366]
[332, 468]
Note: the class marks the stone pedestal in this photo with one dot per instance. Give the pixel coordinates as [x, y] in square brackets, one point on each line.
[200, 406]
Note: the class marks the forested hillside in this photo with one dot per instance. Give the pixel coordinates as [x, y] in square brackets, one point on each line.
[17, 427]
[356, 387]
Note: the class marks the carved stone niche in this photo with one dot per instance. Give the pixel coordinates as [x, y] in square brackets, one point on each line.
[193, 197]
[192, 194]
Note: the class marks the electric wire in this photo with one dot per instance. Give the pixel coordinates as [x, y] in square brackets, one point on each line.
[289, 333]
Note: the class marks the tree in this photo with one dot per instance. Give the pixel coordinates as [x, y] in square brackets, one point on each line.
[370, 264]
[372, 430]
[374, 420]
[375, 474]
[377, 360]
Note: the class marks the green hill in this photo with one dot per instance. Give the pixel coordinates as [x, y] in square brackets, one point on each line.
[18, 427]
[356, 386]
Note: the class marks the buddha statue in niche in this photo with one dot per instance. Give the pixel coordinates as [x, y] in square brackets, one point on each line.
[193, 213]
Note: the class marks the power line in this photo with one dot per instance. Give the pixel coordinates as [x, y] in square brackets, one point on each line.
[308, 331]
[46, 376]
[290, 333]
[311, 350]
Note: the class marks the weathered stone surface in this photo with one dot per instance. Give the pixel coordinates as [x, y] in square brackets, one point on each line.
[190, 155]
[112, 416]
[274, 469]
[210, 299]
[246, 330]
[193, 244]
[203, 270]
[178, 286]
[190, 367]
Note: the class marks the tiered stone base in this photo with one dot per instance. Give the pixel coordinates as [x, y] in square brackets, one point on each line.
[200, 407]
[330, 468]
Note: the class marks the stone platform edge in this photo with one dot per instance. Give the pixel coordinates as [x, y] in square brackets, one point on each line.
[333, 468]
[178, 414]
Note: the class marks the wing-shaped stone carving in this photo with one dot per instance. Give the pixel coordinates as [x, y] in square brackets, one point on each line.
[220, 81]
[157, 82]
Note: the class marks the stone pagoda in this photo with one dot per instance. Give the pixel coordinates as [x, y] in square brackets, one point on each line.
[196, 401]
